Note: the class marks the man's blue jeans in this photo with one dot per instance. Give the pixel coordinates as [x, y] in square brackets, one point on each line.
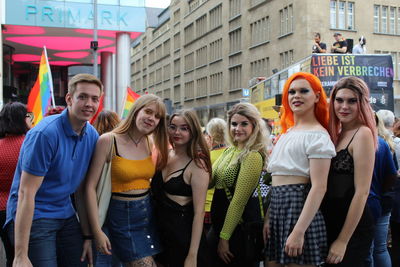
[54, 242]
[379, 254]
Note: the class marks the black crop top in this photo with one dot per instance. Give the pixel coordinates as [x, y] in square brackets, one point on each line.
[341, 174]
[176, 185]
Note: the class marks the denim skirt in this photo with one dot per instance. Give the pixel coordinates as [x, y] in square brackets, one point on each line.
[133, 233]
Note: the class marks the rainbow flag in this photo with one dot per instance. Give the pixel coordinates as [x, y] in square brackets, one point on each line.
[130, 98]
[41, 94]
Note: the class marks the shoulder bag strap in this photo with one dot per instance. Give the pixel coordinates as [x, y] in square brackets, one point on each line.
[111, 149]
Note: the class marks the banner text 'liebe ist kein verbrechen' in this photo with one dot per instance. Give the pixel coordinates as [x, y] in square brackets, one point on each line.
[375, 70]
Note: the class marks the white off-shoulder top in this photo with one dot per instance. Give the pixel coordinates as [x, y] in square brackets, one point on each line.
[292, 152]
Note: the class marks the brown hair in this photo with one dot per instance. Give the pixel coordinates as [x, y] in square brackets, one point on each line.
[197, 148]
[106, 121]
[159, 133]
[83, 78]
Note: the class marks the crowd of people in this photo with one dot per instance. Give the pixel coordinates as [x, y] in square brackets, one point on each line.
[177, 194]
[340, 45]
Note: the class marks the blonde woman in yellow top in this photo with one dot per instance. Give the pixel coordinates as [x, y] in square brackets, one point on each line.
[129, 219]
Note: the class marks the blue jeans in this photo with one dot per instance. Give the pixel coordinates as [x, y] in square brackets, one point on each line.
[379, 254]
[54, 242]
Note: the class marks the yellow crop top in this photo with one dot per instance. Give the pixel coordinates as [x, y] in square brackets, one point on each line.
[127, 174]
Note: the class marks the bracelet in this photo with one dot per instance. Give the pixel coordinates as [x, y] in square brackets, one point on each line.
[87, 237]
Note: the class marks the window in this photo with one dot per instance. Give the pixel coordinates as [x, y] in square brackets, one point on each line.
[151, 78]
[216, 17]
[201, 87]
[201, 26]
[260, 68]
[151, 57]
[144, 81]
[189, 90]
[189, 33]
[166, 48]
[193, 4]
[286, 19]
[216, 50]
[235, 41]
[201, 56]
[216, 83]
[234, 8]
[177, 93]
[256, 2]
[177, 41]
[385, 19]
[159, 52]
[392, 20]
[189, 62]
[260, 31]
[158, 75]
[177, 67]
[376, 18]
[167, 72]
[342, 15]
[235, 77]
[177, 15]
[286, 59]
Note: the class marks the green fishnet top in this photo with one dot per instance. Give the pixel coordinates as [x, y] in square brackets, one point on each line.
[246, 182]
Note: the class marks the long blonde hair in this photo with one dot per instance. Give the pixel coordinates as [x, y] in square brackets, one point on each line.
[159, 133]
[259, 138]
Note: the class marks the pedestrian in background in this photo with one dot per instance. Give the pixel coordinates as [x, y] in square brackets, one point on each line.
[348, 219]
[15, 121]
[238, 170]
[340, 44]
[180, 191]
[294, 228]
[216, 130]
[130, 218]
[318, 46]
[361, 47]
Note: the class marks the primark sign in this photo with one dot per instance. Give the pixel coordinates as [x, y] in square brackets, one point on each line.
[66, 14]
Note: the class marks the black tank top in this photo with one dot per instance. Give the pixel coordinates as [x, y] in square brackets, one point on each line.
[176, 185]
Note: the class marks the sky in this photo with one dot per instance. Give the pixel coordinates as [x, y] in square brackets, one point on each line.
[157, 3]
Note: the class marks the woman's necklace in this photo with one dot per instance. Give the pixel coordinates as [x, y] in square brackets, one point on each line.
[136, 142]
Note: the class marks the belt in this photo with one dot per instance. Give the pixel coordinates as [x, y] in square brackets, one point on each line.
[131, 195]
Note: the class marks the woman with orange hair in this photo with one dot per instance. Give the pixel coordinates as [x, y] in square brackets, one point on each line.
[294, 227]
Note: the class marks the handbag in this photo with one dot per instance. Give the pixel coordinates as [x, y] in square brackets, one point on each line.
[103, 189]
[252, 222]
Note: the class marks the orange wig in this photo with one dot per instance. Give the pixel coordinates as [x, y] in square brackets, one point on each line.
[320, 110]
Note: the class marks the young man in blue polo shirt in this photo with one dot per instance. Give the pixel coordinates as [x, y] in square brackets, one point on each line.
[52, 163]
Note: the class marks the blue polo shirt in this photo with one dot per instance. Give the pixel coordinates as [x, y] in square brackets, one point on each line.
[53, 150]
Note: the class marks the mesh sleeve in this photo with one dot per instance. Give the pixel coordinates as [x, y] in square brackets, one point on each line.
[248, 177]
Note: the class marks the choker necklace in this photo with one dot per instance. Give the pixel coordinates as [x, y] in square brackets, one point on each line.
[134, 141]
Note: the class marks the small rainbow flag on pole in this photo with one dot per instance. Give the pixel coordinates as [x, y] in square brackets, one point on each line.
[130, 98]
[41, 93]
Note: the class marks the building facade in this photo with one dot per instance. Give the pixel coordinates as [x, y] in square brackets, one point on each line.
[204, 52]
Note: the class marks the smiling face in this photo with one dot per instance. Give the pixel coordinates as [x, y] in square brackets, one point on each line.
[346, 106]
[301, 97]
[83, 103]
[179, 131]
[241, 129]
[147, 118]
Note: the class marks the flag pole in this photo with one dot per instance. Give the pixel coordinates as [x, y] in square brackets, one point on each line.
[50, 78]
[123, 106]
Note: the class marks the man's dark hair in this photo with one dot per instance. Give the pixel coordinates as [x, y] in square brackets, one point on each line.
[317, 34]
[12, 119]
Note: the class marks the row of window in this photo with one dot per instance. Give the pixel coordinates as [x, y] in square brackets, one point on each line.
[199, 27]
[386, 19]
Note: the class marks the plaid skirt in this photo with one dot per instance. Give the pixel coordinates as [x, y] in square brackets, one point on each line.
[287, 202]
